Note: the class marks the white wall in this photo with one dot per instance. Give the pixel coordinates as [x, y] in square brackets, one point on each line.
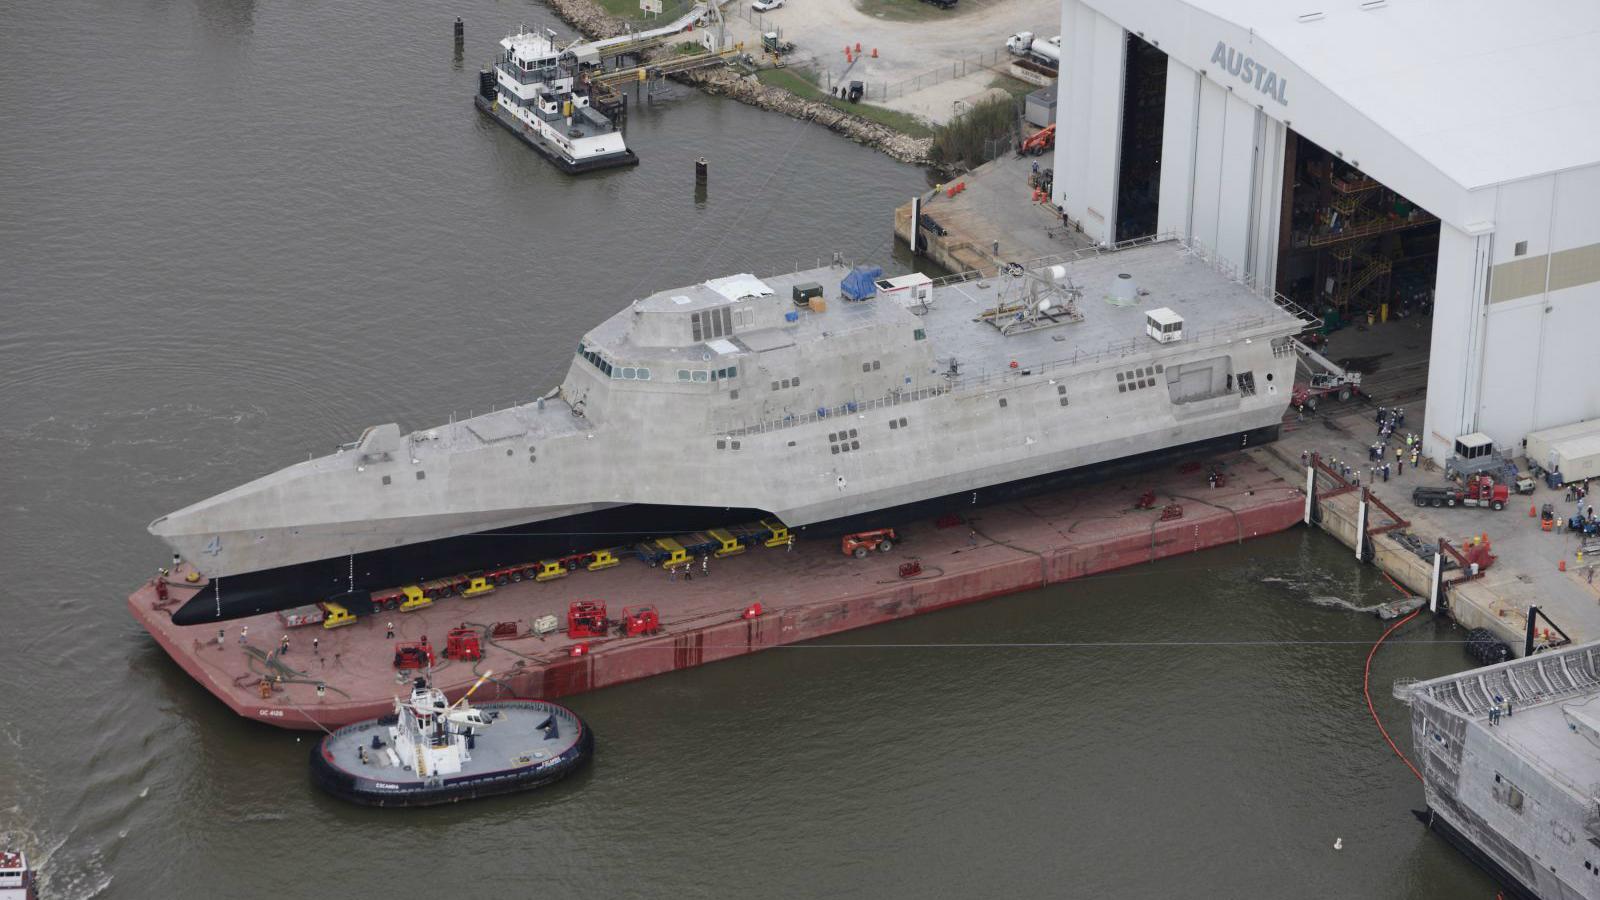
[1221, 172]
[1089, 118]
[1542, 333]
[1458, 323]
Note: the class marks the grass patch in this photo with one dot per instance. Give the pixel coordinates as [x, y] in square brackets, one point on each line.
[803, 84]
[1016, 87]
[976, 136]
[630, 11]
[905, 10]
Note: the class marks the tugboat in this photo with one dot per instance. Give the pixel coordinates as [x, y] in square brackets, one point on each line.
[16, 879]
[540, 95]
[430, 751]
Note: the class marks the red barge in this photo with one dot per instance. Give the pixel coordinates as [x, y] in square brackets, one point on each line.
[762, 598]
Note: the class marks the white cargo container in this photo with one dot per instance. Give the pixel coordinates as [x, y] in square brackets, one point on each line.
[1572, 450]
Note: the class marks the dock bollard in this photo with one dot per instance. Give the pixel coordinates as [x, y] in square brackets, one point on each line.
[461, 28]
[701, 169]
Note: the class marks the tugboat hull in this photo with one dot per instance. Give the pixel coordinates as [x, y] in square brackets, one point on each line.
[336, 766]
[545, 149]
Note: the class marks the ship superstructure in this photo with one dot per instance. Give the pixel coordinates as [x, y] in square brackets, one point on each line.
[1510, 755]
[16, 878]
[539, 93]
[730, 395]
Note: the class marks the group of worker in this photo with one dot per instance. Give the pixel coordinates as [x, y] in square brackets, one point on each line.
[688, 568]
[1500, 710]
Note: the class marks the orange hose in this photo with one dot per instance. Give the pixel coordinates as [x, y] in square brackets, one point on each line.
[1366, 690]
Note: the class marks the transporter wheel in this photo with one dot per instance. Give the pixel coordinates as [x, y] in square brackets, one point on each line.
[885, 546]
[1344, 394]
[1436, 503]
[1499, 506]
[1419, 501]
[859, 552]
[1450, 501]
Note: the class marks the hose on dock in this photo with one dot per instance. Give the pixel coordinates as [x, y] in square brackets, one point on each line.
[1366, 682]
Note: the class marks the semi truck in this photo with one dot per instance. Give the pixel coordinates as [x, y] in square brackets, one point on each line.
[1036, 49]
[1481, 491]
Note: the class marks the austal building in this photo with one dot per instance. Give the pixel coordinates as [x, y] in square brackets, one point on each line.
[1365, 156]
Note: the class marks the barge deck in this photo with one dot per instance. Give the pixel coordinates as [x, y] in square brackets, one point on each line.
[807, 591]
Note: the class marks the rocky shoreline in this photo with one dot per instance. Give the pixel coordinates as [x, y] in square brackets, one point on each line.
[595, 23]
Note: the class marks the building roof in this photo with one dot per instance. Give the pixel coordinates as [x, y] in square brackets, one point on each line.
[1487, 91]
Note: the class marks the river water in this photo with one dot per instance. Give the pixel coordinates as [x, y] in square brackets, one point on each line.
[235, 232]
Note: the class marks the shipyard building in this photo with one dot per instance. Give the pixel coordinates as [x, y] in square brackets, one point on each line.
[1358, 157]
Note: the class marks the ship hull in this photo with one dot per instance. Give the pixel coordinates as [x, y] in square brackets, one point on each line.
[1442, 827]
[289, 586]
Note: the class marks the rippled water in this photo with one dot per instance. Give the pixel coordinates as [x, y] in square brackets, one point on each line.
[232, 233]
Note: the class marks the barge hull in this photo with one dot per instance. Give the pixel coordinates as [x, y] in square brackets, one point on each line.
[810, 592]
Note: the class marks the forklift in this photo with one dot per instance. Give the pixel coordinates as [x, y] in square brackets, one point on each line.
[862, 543]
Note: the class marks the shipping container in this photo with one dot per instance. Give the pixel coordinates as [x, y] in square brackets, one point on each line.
[1573, 451]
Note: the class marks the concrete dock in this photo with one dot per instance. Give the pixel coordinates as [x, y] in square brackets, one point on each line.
[1527, 570]
[995, 206]
[808, 592]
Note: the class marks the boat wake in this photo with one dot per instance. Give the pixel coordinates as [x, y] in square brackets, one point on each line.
[68, 873]
[1303, 592]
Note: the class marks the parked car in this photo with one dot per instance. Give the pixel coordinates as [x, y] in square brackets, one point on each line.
[765, 5]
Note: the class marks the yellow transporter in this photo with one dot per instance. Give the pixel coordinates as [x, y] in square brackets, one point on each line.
[728, 545]
[780, 532]
[478, 587]
[549, 570]
[604, 559]
[676, 555]
[415, 599]
[336, 616]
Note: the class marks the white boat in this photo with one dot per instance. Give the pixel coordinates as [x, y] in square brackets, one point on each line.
[543, 98]
[16, 879]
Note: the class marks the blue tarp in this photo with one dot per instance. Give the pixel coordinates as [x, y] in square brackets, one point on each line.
[861, 283]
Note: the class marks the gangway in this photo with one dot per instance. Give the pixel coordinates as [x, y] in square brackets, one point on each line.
[590, 53]
[621, 77]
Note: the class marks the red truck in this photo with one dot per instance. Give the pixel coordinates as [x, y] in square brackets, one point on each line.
[1480, 491]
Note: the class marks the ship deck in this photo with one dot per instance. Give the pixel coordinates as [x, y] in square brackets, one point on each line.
[808, 592]
[586, 122]
[1541, 735]
[1216, 310]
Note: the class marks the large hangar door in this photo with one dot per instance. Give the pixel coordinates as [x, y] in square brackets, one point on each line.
[1144, 98]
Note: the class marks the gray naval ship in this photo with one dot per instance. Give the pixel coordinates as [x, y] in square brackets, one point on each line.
[746, 396]
[1510, 756]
